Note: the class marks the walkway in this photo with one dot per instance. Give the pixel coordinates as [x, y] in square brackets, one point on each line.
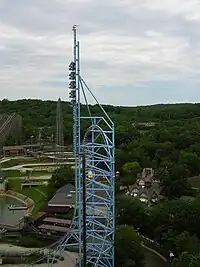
[69, 257]
[6, 159]
[35, 166]
[153, 260]
[33, 178]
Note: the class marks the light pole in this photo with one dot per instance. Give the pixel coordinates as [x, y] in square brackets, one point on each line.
[31, 141]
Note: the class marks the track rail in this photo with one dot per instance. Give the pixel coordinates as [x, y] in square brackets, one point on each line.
[50, 249]
[8, 123]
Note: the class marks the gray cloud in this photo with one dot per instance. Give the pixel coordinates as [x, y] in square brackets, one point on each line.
[124, 44]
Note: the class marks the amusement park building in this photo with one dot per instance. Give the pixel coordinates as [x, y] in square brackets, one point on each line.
[52, 225]
[20, 150]
[64, 197]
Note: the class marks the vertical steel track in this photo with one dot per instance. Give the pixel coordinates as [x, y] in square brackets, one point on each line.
[94, 219]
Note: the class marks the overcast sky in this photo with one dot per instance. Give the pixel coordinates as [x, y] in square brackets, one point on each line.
[134, 52]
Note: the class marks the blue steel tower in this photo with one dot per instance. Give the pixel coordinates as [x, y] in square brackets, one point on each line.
[93, 227]
[96, 180]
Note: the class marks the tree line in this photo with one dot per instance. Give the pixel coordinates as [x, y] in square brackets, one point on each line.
[164, 137]
[173, 225]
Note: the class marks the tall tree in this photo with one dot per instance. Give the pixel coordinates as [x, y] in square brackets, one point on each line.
[130, 172]
[192, 161]
[187, 260]
[128, 248]
[174, 181]
[60, 177]
[131, 211]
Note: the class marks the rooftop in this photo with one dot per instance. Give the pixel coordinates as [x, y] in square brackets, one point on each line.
[38, 215]
[55, 209]
[66, 189]
[56, 220]
[53, 228]
[31, 145]
[12, 148]
[64, 197]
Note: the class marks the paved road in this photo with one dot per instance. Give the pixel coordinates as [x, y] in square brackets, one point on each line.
[152, 260]
[26, 166]
[33, 178]
[5, 159]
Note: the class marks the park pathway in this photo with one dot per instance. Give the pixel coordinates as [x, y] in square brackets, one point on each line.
[153, 260]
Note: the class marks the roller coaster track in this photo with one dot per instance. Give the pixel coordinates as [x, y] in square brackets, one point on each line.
[50, 249]
[7, 124]
[93, 228]
[2, 118]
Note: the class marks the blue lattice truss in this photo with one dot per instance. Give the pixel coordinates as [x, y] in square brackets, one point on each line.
[97, 145]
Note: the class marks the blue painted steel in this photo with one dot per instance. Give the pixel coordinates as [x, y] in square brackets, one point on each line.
[98, 146]
[79, 163]
[73, 237]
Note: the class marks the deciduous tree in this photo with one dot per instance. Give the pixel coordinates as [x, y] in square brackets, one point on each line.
[61, 177]
[128, 248]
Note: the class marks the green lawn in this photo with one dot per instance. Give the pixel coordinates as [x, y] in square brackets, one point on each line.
[39, 173]
[13, 173]
[38, 194]
[14, 185]
[16, 173]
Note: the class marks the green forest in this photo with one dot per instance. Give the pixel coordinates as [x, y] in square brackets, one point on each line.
[164, 137]
[154, 136]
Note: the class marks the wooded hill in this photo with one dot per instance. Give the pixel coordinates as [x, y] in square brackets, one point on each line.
[151, 135]
[165, 137]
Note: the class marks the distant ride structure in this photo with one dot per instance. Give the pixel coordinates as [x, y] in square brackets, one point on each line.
[59, 142]
[10, 125]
